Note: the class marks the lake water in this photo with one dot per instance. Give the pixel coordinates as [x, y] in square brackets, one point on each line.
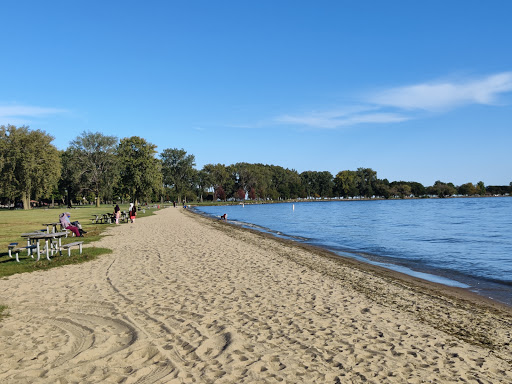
[458, 242]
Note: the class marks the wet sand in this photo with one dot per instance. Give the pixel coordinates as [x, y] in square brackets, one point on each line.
[186, 299]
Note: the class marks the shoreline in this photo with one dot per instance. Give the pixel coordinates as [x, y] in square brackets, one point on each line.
[187, 299]
[386, 273]
[328, 199]
[482, 286]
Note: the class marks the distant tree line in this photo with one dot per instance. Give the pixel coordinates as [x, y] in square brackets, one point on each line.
[99, 168]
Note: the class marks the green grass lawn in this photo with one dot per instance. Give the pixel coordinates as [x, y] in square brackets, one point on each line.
[15, 222]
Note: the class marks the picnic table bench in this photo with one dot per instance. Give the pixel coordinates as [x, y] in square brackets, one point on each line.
[71, 245]
[51, 246]
[52, 242]
[97, 219]
[107, 218]
[124, 216]
[13, 247]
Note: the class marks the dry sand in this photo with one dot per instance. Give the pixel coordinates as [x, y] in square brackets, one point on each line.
[184, 299]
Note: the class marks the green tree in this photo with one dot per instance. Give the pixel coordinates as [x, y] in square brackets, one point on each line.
[400, 189]
[93, 159]
[318, 184]
[178, 170]
[69, 183]
[417, 189]
[204, 182]
[219, 179]
[382, 188]
[366, 180]
[31, 165]
[442, 189]
[346, 183]
[467, 189]
[480, 188]
[286, 183]
[262, 181]
[140, 171]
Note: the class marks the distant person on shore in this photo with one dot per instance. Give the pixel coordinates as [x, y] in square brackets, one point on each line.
[224, 217]
[174, 203]
[133, 213]
[117, 213]
[66, 224]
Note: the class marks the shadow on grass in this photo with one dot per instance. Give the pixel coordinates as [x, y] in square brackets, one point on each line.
[9, 266]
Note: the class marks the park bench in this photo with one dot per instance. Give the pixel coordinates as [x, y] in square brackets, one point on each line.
[97, 219]
[13, 247]
[124, 216]
[71, 245]
[107, 218]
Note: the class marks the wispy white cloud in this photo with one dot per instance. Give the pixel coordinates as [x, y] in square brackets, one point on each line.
[400, 104]
[10, 114]
[438, 96]
[335, 120]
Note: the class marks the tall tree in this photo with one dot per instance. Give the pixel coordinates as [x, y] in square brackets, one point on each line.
[480, 188]
[93, 158]
[401, 189]
[442, 189]
[244, 176]
[346, 183]
[325, 183]
[178, 170]
[417, 189]
[140, 171]
[31, 165]
[366, 180]
[203, 183]
[219, 179]
[467, 189]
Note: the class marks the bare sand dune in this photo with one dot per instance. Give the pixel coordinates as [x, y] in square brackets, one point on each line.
[183, 299]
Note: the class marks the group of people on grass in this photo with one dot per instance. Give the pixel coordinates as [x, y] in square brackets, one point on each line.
[132, 212]
[76, 227]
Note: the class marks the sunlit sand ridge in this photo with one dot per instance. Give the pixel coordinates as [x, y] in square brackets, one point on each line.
[184, 299]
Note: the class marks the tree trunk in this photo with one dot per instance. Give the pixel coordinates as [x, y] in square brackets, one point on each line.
[97, 201]
[25, 198]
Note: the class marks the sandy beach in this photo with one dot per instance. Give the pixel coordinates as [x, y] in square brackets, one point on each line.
[186, 299]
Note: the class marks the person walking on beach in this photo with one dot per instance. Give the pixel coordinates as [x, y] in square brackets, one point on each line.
[117, 213]
[133, 213]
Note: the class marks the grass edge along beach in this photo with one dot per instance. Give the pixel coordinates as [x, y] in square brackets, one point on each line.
[209, 270]
[15, 222]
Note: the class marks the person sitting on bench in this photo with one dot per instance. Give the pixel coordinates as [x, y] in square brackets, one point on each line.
[66, 224]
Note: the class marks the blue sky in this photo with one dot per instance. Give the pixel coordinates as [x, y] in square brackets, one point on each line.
[418, 91]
